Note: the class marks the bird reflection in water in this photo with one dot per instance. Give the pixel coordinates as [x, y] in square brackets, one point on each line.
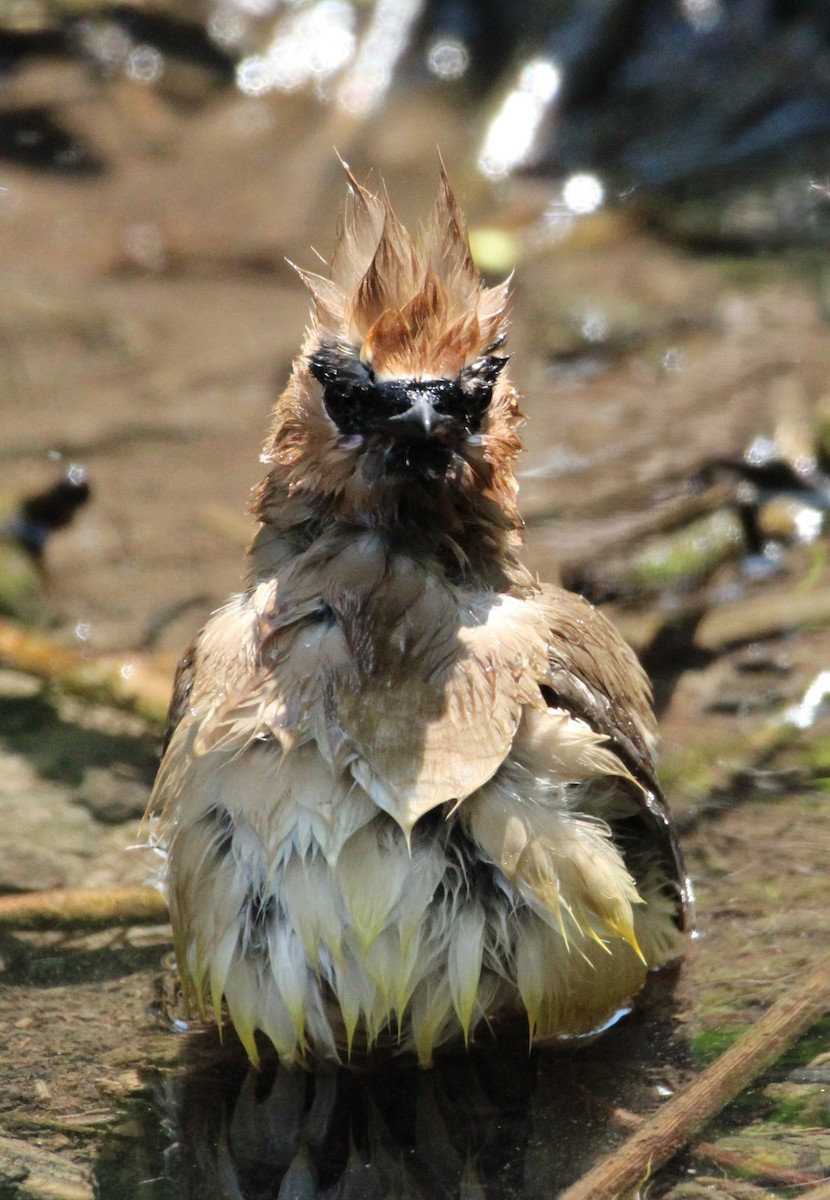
[496, 1122]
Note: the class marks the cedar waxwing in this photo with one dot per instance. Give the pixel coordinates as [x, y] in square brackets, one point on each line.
[407, 787]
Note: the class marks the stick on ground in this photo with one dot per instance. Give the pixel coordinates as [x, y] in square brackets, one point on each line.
[82, 908]
[674, 1126]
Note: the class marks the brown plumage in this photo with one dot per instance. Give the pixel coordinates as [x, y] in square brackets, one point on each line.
[407, 787]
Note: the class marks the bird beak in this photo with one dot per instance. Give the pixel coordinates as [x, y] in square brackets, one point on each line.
[419, 421]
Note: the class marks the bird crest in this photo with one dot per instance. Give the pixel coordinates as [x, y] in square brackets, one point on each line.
[411, 307]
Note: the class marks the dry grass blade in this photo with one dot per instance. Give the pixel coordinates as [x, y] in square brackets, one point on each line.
[687, 1113]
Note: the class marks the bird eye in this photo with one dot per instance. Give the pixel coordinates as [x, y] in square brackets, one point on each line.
[477, 381]
[352, 397]
[333, 364]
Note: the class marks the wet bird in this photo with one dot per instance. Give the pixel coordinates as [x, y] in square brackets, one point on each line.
[408, 789]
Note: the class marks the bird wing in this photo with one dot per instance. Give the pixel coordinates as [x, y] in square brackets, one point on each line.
[597, 678]
[182, 687]
[594, 672]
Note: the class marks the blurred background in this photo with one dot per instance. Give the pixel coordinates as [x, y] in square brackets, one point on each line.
[657, 175]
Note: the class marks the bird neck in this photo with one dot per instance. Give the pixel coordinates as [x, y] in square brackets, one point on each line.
[474, 540]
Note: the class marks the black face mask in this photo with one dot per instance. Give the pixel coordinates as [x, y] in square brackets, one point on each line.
[412, 410]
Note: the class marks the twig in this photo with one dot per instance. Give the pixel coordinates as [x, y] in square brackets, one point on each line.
[85, 908]
[38, 1172]
[687, 1113]
[739, 1189]
[745, 1164]
[733, 1160]
[822, 1192]
[127, 681]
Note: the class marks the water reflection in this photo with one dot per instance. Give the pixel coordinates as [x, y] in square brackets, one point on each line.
[497, 1122]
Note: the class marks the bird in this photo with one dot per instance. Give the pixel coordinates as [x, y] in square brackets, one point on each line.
[408, 792]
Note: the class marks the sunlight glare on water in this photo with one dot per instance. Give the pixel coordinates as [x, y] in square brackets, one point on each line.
[370, 74]
[583, 193]
[702, 15]
[510, 135]
[310, 45]
[813, 702]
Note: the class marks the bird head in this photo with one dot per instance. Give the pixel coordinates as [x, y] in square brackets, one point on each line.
[401, 389]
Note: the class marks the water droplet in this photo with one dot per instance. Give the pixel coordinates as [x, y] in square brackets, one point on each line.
[448, 58]
[145, 64]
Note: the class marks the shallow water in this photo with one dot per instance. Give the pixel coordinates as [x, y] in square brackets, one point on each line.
[148, 320]
[496, 1122]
